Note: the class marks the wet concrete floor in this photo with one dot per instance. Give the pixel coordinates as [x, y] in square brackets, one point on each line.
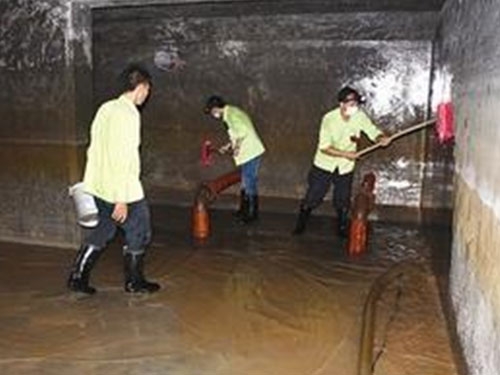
[251, 301]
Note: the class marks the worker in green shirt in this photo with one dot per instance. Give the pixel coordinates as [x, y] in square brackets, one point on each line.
[335, 158]
[112, 177]
[246, 148]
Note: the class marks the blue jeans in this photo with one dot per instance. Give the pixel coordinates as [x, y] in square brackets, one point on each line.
[319, 182]
[137, 227]
[249, 176]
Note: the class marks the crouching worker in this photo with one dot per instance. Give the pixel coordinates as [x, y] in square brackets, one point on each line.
[112, 176]
[246, 149]
[335, 158]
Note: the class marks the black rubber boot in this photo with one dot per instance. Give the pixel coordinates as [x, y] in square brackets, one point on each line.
[85, 260]
[342, 221]
[243, 203]
[134, 276]
[251, 213]
[304, 214]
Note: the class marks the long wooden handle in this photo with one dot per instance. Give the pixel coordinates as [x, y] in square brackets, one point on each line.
[397, 135]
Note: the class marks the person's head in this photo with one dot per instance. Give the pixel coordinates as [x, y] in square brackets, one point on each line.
[136, 83]
[215, 106]
[349, 101]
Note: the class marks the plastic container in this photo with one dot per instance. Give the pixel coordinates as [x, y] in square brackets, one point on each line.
[86, 209]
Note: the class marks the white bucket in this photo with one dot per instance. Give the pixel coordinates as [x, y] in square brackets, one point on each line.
[86, 209]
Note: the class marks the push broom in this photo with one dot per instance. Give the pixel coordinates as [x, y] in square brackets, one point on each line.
[443, 125]
[364, 201]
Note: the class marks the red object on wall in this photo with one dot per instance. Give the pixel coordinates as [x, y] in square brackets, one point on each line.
[206, 157]
[445, 122]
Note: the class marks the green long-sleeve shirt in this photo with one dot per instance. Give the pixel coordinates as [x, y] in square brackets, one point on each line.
[338, 133]
[113, 167]
[242, 132]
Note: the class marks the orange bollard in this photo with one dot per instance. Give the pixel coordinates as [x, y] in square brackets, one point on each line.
[208, 193]
[358, 236]
[200, 221]
[363, 204]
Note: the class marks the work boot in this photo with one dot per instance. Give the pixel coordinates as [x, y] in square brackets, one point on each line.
[251, 213]
[243, 202]
[342, 221]
[85, 260]
[134, 277]
[304, 214]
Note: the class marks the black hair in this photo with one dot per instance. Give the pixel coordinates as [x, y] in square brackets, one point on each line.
[214, 101]
[132, 76]
[347, 91]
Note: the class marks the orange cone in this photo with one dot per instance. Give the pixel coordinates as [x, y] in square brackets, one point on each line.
[358, 237]
[200, 221]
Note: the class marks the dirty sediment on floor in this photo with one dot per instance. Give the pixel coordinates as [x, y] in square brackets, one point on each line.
[251, 300]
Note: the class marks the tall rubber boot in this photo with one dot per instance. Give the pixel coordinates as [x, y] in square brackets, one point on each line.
[304, 214]
[252, 212]
[243, 202]
[342, 222]
[134, 276]
[85, 260]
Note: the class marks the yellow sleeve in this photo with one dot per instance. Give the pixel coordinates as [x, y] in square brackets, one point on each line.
[369, 128]
[120, 152]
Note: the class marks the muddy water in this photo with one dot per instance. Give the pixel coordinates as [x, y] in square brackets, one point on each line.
[250, 301]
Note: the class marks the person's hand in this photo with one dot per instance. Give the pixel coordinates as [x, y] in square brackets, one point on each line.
[355, 140]
[350, 155]
[236, 151]
[384, 140]
[224, 149]
[120, 212]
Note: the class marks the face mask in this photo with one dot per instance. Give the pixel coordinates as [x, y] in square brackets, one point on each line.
[349, 111]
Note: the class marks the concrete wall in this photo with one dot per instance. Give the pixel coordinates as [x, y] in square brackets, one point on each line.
[470, 52]
[39, 110]
[284, 68]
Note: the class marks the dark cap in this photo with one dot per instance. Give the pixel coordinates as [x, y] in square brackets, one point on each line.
[347, 91]
[214, 102]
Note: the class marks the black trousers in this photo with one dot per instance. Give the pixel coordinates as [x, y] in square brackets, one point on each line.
[319, 182]
[137, 227]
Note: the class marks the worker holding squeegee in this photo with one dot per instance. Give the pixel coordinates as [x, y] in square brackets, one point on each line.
[335, 158]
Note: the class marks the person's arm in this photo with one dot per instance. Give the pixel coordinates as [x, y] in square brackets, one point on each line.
[231, 147]
[332, 151]
[373, 132]
[327, 148]
[236, 144]
[225, 148]
[121, 141]
[236, 132]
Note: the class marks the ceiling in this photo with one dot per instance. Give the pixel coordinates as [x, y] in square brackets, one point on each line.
[109, 10]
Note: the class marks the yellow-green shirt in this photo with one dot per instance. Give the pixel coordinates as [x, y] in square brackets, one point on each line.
[113, 164]
[241, 131]
[336, 132]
